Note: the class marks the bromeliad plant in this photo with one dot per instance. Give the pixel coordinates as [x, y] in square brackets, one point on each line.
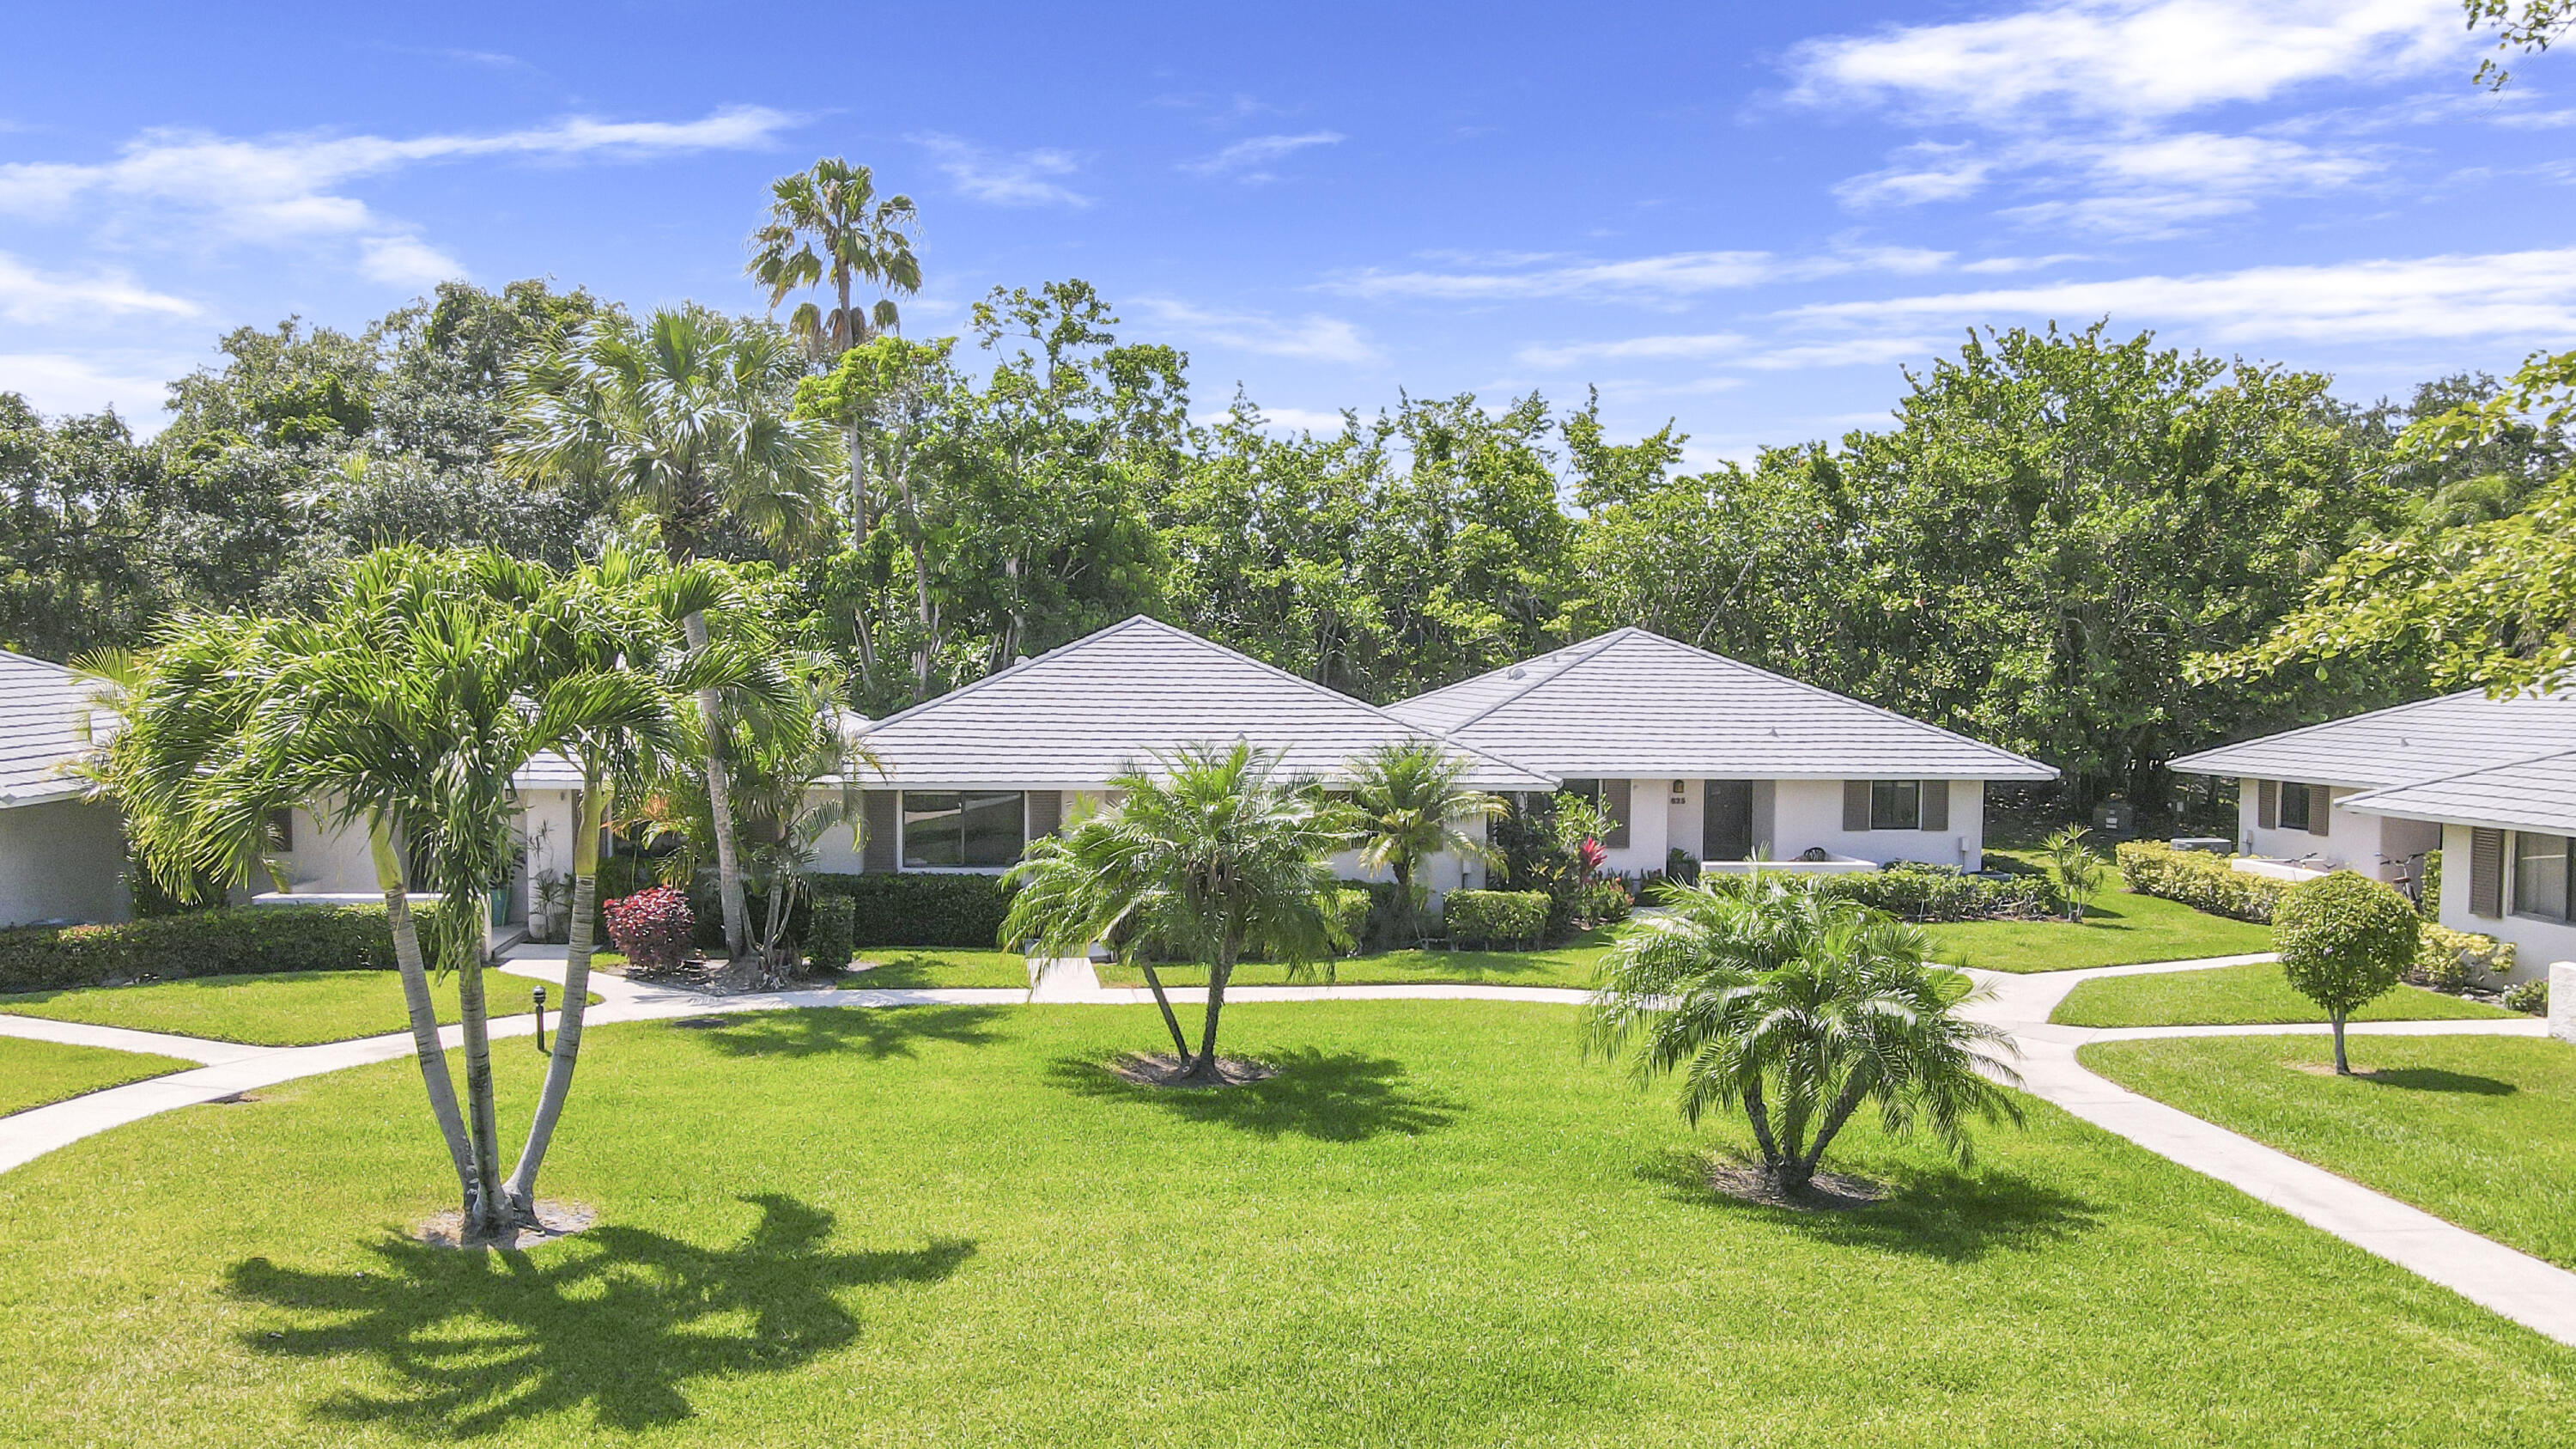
[1762, 994]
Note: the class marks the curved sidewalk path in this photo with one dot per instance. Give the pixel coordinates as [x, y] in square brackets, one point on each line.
[2536, 1294]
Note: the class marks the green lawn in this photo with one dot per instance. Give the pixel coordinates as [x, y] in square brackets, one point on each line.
[2477, 1130]
[2121, 930]
[1439, 1226]
[33, 1073]
[285, 1008]
[920, 966]
[1572, 964]
[2239, 996]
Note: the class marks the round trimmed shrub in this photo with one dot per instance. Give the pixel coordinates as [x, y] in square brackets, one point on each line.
[653, 929]
[2345, 941]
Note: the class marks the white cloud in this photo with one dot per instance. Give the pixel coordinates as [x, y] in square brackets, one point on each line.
[1314, 337]
[57, 383]
[2126, 58]
[1925, 171]
[1284, 421]
[986, 176]
[2022, 264]
[1846, 352]
[404, 261]
[2134, 186]
[2508, 295]
[1247, 159]
[1571, 354]
[1658, 278]
[30, 296]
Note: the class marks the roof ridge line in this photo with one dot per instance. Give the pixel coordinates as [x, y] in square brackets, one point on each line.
[1604, 640]
[2548, 754]
[1103, 632]
[2324, 724]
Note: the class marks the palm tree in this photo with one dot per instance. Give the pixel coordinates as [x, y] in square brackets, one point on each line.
[829, 224]
[690, 418]
[2076, 869]
[1210, 853]
[1407, 802]
[1763, 993]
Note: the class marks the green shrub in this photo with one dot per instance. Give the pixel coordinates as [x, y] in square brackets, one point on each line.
[2530, 996]
[226, 942]
[2447, 960]
[2202, 881]
[1602, 903]
[919, 910]
[1383, 921]
[2428, 891]
[1913, 891]
[829, 941]
[1495, 918]
[1353, 909]
[2345, 941]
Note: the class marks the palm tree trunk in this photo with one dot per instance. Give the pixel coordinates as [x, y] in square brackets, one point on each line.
[576, 1000]
[1804, 1168]
[1760, 1115]
[1171, 1019]
[481, 1120]
[919, 545]
[720, 802]
[1205, 1068]
[420, 1009]
[860, 622]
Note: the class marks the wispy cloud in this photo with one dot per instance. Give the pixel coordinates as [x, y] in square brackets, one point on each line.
[2505, 295]
[1283, 421]
[1665, 348]
[30, 296]
[1021, 179]
[1314, 337]
[1249, 160]
[55, 382]
[404, 261]
[1664, 278]
[2134, 59]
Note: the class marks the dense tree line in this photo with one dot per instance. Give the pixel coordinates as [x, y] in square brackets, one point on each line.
[2051, 529]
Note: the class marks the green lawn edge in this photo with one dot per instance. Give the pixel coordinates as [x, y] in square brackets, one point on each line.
[40, 1073]
[2252, 995]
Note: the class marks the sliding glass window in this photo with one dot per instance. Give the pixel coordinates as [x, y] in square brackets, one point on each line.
[963, 828]
[2541, 866]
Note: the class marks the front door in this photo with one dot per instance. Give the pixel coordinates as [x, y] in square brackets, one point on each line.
[1726, 823]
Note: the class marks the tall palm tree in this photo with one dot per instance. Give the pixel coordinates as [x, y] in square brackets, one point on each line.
[690, 419]
[1763, 993]
[1407, 803]
[828, 224]
[1209, 852]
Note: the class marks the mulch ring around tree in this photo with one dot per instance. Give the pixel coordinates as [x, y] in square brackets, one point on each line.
[1163, 1069]
[1827, 1192]
[556, 1220]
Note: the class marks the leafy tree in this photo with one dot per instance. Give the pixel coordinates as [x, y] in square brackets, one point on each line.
[1761, 993]
[1209, 853]
[76, 511]
[1407, 802]
[2528, 26]
[687, 418]
[2345, 941]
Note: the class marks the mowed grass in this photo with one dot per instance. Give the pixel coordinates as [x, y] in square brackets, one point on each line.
[1438, 1226]
[34, 1073]
[2122, 929]
[2480, 1131]
[2240, 996]
[1573, 964]
[928, 966]
[285, 1008]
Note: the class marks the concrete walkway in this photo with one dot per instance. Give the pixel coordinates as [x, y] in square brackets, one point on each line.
[2533, 1293]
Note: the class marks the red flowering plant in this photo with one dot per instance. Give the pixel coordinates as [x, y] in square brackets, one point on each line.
[653, 929]
[1589, 854]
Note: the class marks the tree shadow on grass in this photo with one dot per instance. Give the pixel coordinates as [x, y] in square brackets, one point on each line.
[874, 1032]
[1943, 1213]
[619, 1319]
[2435, 1079]
[1327, 1096]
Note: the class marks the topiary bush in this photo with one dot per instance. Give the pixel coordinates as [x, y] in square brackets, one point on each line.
[829, 941]
[2199, 880]
[653, 929]
[223, 942]
[919, 910]
[1495, 918]
[2448, 960]
[2345, 941]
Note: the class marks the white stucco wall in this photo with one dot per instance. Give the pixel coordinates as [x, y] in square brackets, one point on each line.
[2374, 845]
[1802, 814]
[325, 861]
[62, 861]
[2536, 943]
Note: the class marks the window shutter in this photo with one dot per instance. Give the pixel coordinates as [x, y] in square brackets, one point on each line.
[1614, 802]
[2320, 809]
[1046, 813]
[2486, 873]
[879, 814]
[1855, 805]
[1936, 804]
[2268, 813]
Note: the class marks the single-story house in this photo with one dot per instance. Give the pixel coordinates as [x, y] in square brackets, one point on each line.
[2491, 783]
[964, 781]
[62, 857]
[1694, 752]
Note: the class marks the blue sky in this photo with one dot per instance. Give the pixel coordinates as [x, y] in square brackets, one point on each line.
[1743, 218]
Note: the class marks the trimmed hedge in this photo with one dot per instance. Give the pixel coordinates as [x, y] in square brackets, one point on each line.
[920, 910]
[226, 942]
[1485, 918]
[829, 941]
[1914, 891]
[2447, 960]
[2202, 881]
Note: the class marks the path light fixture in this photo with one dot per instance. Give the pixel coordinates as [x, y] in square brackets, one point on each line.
[539, 996]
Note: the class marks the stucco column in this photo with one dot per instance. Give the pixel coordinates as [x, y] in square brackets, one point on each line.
[2562, 1000]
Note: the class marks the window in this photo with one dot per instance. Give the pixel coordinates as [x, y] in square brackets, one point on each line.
[963, 828]
[2541, 887]
[1895, 804]
[2294, 806]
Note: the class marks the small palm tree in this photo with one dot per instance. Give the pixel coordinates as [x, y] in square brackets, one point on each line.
[1209, 852]
[1407, 803]
[1763, 994]
[2076, 868]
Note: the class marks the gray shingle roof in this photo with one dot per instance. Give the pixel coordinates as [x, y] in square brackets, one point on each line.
[1077, 715]
[40, 706]
[2429, 739]
[2535, 794]
[1634, 703]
